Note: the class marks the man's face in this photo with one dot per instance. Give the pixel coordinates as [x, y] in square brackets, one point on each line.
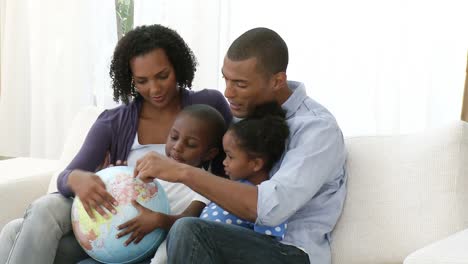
[246, 86]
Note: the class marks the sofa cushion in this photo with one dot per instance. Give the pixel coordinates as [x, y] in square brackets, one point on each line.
[451, 250]
[22, 180]
[76, 134]
[404, 192]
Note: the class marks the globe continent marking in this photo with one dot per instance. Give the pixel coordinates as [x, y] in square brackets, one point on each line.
[97, 237]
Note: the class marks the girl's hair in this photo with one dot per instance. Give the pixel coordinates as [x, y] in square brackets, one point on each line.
[141, 41]
[263, 134]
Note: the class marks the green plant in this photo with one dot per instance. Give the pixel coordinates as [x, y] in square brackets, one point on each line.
[124, 13]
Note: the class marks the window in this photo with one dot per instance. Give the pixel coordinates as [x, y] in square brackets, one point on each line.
[124, 13]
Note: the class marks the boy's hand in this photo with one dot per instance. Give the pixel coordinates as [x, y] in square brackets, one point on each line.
[145, 222]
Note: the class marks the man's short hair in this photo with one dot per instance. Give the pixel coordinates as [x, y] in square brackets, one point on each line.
[264, 44]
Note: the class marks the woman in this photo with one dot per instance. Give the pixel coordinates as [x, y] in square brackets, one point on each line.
[152, 71]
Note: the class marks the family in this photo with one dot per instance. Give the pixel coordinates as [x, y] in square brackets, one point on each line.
[265, 158]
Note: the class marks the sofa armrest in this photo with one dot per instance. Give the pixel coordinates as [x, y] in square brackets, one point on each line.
[450, 250]
[22, 181]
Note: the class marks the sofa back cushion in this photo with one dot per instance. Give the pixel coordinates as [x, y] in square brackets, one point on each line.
[403, 193]
[76, 134]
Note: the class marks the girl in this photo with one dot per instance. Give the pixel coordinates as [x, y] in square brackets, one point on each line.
[252, 146]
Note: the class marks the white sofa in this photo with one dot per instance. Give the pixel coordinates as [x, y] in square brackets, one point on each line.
[407, 195]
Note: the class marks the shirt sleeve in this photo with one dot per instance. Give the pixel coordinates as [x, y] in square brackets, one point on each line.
[91, 154]
[315, 155]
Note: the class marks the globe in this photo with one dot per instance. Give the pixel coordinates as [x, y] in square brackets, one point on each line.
[98, 237]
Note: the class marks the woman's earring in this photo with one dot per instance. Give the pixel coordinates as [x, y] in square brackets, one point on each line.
[133, 85]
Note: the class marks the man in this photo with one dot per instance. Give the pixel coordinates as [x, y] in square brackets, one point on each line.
[307, 186]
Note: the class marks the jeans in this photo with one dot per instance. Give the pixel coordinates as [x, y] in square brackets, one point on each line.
[43, 236]
[192, 240]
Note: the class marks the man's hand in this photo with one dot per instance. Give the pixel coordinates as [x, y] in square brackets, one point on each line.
[153, 165]
[92, 192]
[144, 223]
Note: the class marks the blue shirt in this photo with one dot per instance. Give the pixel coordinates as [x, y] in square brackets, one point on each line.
[214, 212]
[307, 187]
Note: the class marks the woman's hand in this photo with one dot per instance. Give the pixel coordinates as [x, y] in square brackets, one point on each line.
[106, 163]
[92, 192]
[118, 163]
[144, 223]
[154, 165]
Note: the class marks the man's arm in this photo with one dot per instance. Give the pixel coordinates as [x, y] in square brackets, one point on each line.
[316, 155]
[314, 164]
[237, 198]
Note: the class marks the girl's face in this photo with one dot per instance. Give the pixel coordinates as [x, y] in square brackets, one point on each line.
[155, 79]
[237, 163]
[189, 141]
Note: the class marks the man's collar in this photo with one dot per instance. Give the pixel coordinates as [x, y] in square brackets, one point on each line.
[295, 99]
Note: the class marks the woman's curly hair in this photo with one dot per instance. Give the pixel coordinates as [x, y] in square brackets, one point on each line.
[141, 41]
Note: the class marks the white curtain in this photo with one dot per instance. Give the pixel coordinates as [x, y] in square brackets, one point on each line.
[199, 23]
[2, 23]
[55, 58]
[380, 66]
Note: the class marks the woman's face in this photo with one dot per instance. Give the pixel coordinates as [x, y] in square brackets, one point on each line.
[155, 78]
